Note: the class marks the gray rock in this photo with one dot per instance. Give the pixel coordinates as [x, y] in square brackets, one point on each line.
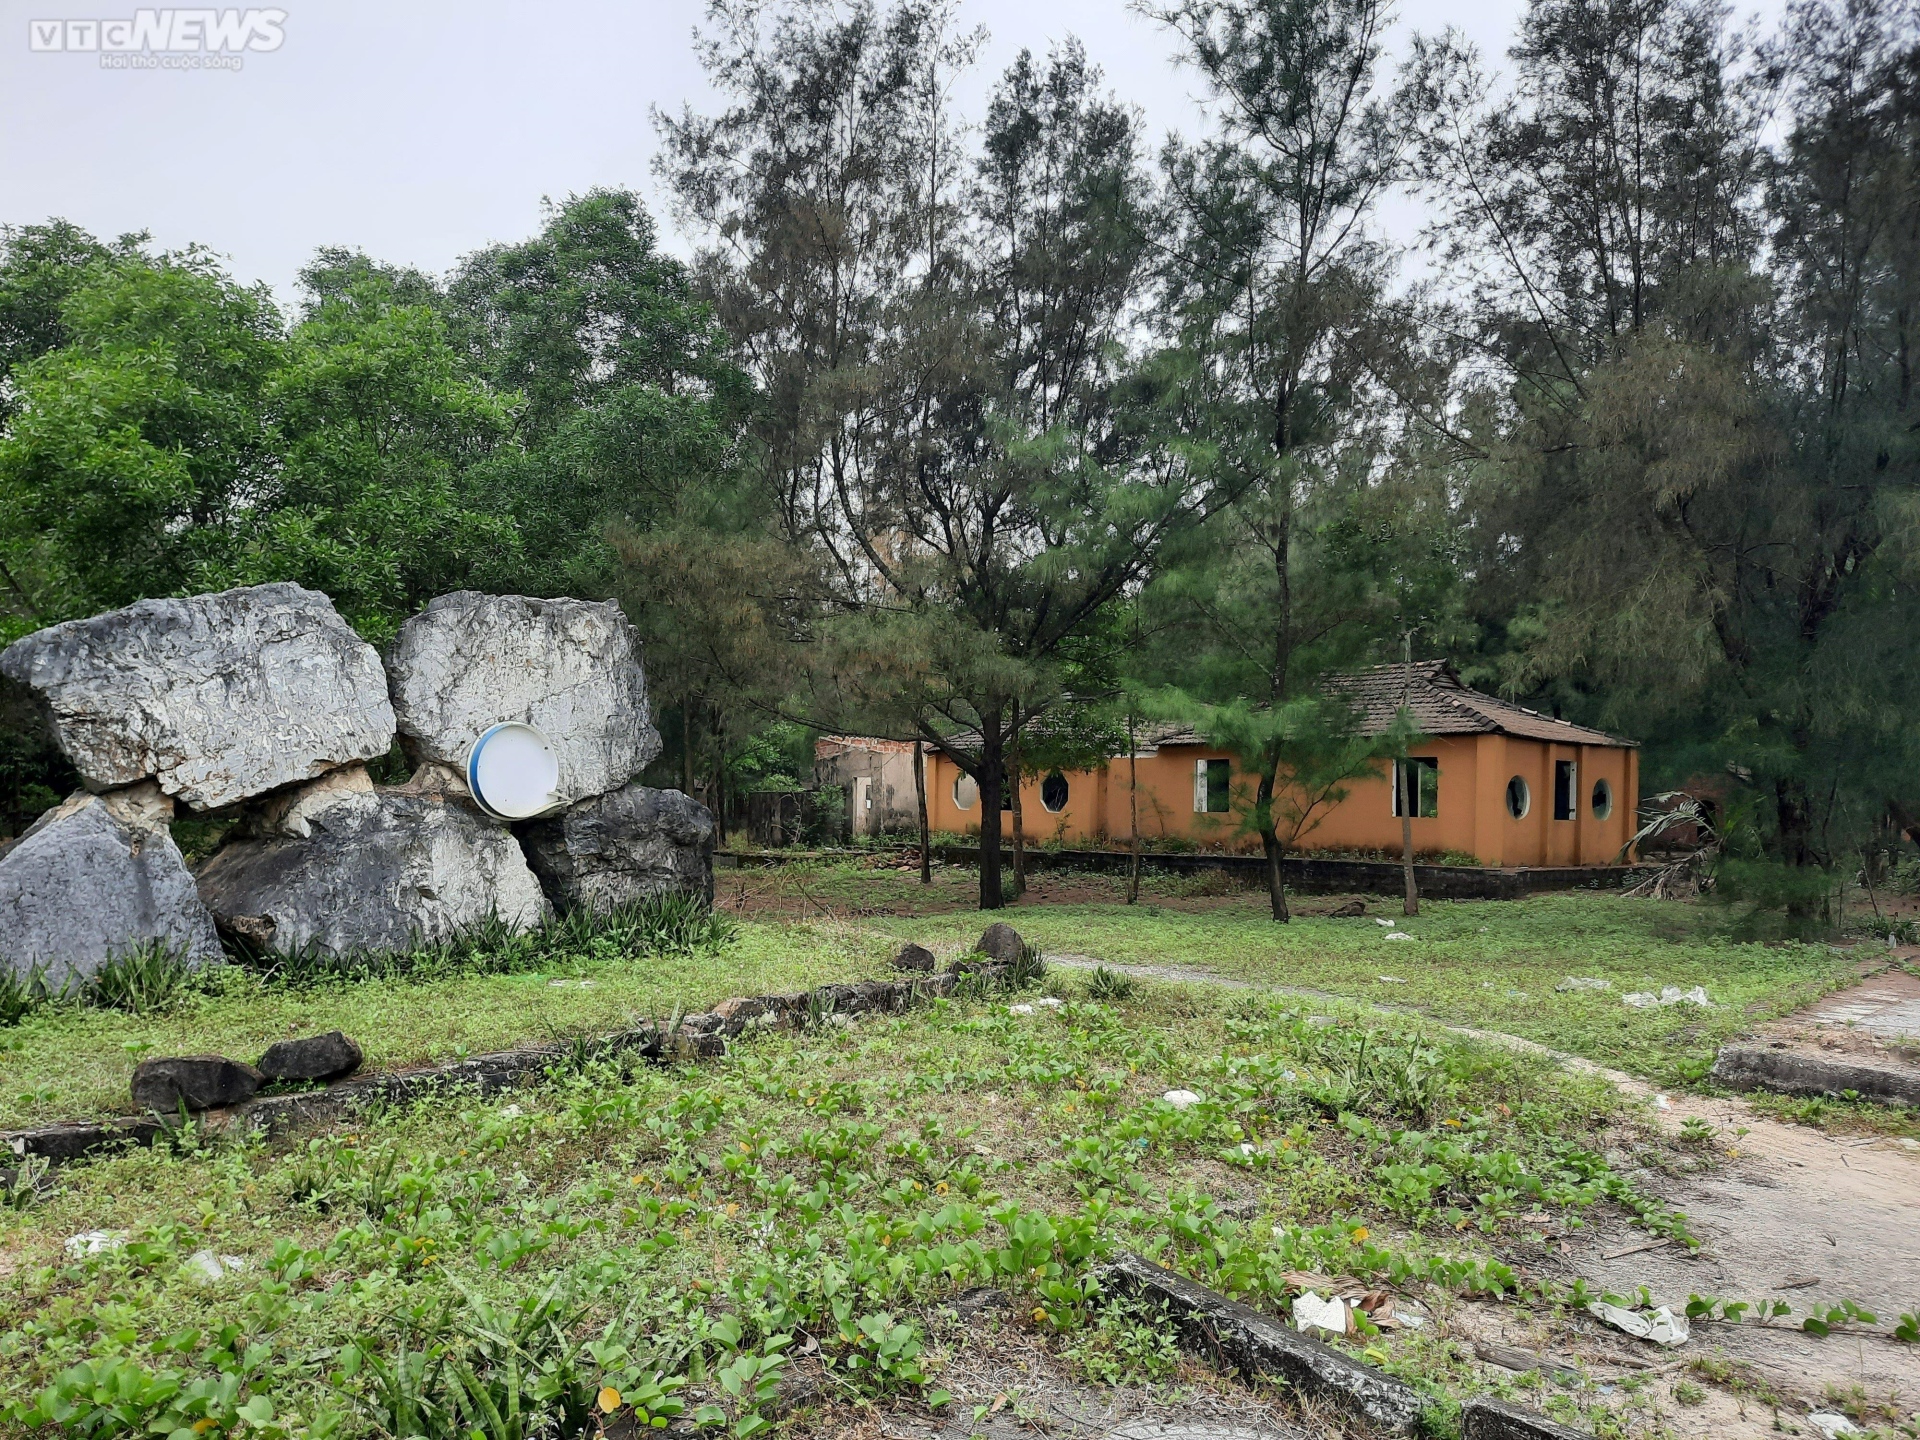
[313, 1057]
[200, 1082]
[352, 868]
[95, 877]
[218, 697]
[1000, 941]
[569, 668]
[915, 958]
[616, 849]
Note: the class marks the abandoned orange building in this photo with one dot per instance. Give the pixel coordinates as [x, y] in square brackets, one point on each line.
[1494, 780]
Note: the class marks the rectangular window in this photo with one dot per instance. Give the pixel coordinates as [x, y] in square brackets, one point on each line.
[1423, 783]
[1211, 791]
[1566, 783]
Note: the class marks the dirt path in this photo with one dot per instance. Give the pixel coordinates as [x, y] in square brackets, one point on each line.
[1791, 1214]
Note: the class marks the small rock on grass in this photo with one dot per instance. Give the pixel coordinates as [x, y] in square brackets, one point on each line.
[200, 1082]
[915, 958]
[1000, 941]
[331, 1056]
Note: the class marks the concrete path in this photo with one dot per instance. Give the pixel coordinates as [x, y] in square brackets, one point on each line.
[1791, 1213]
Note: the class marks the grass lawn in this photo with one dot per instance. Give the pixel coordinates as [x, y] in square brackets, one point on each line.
[68, 1062]
[1486, 964]
[645, 1237]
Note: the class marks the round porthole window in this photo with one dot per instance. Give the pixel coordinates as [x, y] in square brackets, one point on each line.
[1053, 792]
[1519, 798]
[966, 794]
[1602, 799]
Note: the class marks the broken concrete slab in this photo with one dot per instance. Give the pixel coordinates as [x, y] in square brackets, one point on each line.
[162, 1085]
[1258, 1345]
[95, 877]
[1483, 1418]
[217, 697]
[615, 850]
[370, 870]
[1791, 1072]
[569, 668]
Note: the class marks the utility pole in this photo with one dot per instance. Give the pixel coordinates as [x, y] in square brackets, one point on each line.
[1409, 791]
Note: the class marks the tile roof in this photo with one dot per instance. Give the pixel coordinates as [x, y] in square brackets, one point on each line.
[1441, 705]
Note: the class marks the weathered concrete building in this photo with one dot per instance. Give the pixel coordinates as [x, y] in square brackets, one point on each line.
[1490, 779]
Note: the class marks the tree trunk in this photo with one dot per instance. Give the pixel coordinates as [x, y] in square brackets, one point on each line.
[1410, 792]
[1133, 811]
[1276, 853]
[991, 778]
[1793, 810]
[1411, 905]
[1014, 771]
[920, 795]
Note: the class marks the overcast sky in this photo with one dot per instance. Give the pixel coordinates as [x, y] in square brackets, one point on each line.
[421, 131]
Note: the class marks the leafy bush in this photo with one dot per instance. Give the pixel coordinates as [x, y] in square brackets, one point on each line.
[674, 923]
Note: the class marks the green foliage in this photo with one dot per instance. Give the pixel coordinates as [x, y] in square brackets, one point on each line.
[671, 923]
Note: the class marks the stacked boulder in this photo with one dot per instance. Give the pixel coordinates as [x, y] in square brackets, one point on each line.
[261, 704]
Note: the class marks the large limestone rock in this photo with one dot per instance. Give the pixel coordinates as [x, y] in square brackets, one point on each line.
[344, 866]
[95, 877]
[218, 697]
[567, 667]
[615, 849]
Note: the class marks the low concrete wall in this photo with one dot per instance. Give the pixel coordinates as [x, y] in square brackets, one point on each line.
[1304, 874]
[1313, 876]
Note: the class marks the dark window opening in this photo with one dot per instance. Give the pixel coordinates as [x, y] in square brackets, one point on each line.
[1219, 791]
[1565, 784]
[1519, 798]
[1419, 777]
[1053, 792]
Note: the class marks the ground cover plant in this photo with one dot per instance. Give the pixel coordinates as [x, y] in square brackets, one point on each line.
[487, 991]
[643, 1242]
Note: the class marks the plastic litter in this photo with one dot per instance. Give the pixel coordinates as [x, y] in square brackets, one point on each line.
[1049, 1002]
[1391, 980]
[94, 1242]
[1669, 995]
[1181, 1099]
[1315, 1312]
[1584, 982]
[1382, 921]
[208, 1268]
[1398, 935]
[1661, 1326]
[1019, 1009]
[1832, 1424]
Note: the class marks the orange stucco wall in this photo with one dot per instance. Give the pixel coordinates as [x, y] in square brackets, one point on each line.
[1473, 818]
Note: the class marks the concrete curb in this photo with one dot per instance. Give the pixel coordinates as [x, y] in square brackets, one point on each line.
[698, 1037]
[1484, 1419]
[1257, 1345]
[1786, 1072]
